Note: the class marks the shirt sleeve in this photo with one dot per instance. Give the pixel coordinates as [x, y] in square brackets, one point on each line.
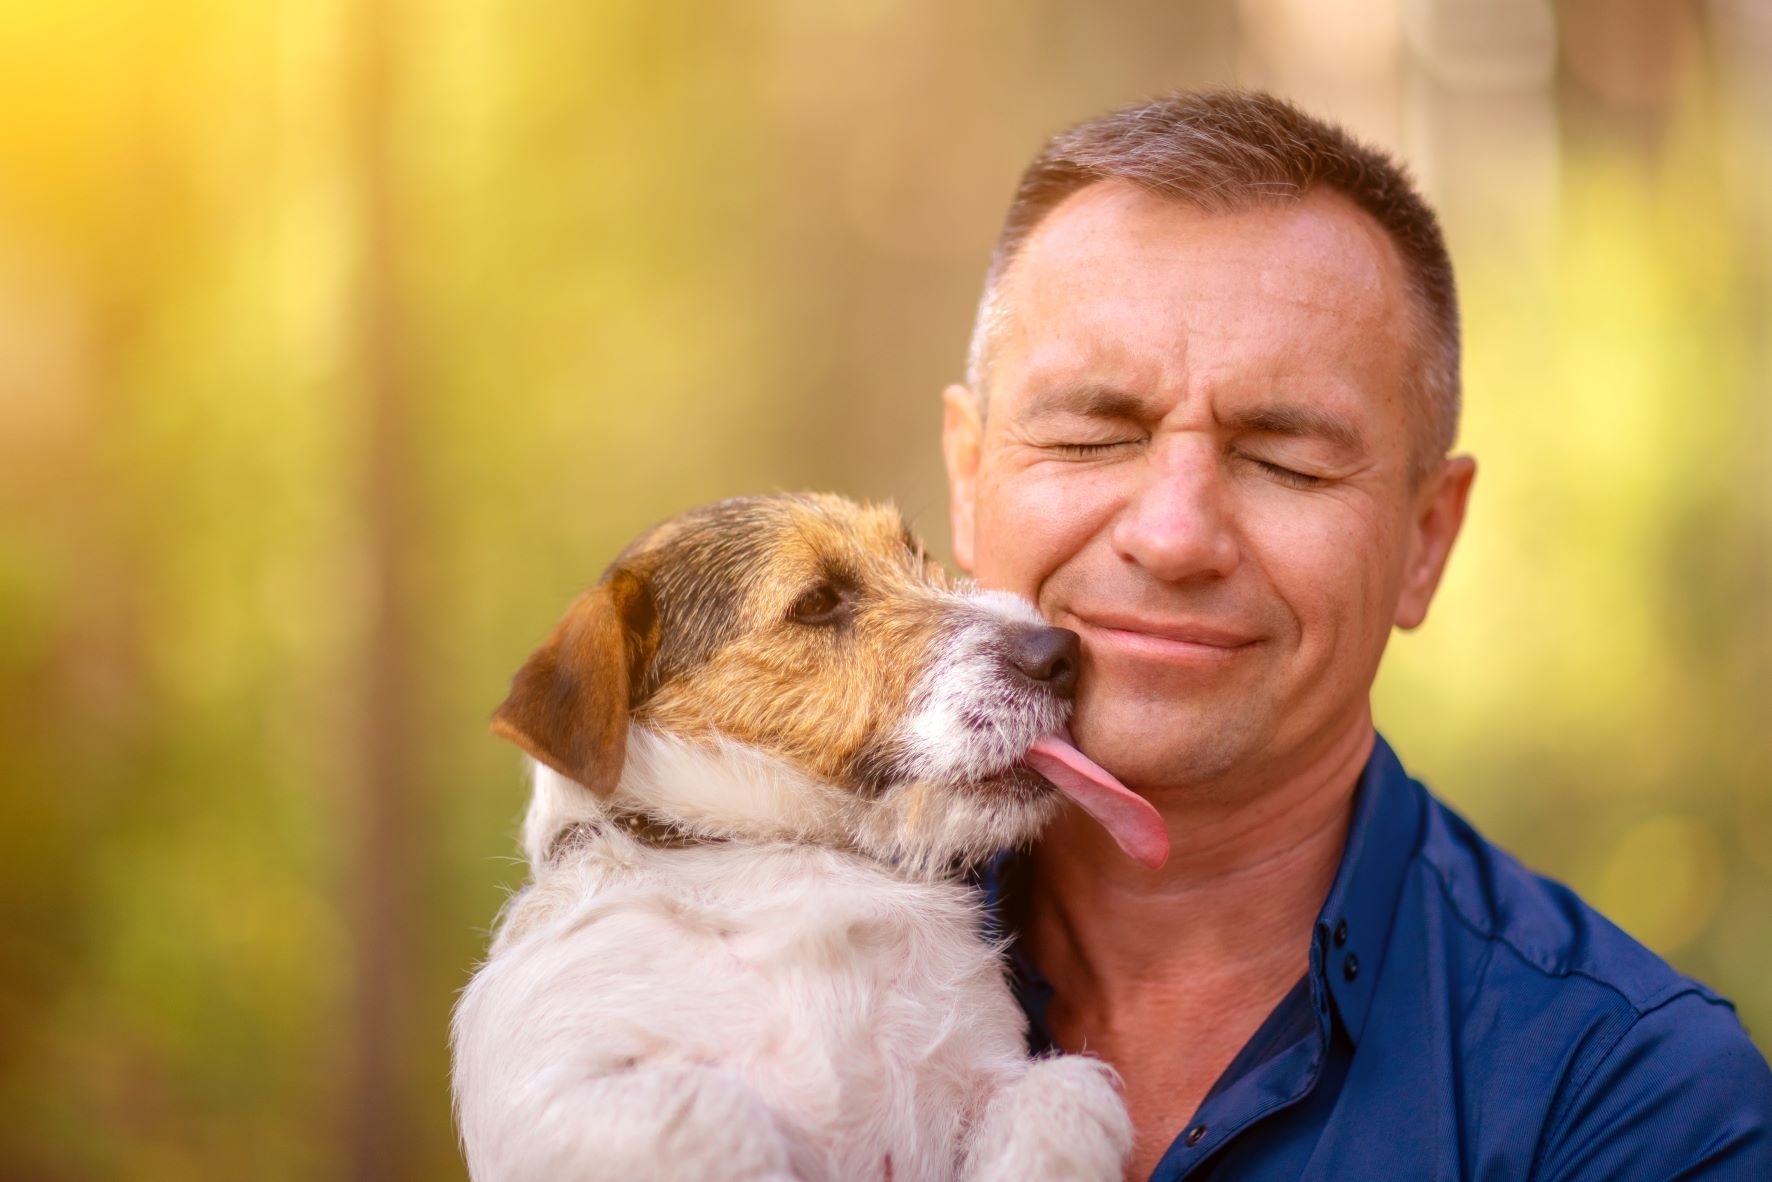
[1683, 1094]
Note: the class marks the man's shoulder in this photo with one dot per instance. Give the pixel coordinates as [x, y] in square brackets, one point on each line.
[1641, 1071]
[1539, 922]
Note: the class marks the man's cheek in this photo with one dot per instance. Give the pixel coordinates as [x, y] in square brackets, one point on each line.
[1314, 546]
[1010, 546]
[1074, 498]
[1034, 524]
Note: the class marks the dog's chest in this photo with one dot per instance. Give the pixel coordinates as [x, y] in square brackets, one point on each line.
[850, 999]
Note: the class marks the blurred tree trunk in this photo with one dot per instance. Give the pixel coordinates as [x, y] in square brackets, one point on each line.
[381, 1127]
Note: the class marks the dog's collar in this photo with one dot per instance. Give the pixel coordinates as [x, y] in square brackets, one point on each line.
[641, 827]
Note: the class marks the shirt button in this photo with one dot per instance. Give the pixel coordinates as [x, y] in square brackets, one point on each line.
[1194, 1134]
[1341, 933]
[1350, 968]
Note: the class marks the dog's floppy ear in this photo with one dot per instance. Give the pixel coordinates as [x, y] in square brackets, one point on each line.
[569, 703]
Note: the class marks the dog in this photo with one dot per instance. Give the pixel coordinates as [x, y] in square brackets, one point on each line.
[765, 746]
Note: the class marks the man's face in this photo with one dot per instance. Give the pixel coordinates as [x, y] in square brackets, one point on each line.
[1197, 455]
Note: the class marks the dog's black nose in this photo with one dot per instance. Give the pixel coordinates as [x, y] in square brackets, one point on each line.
[1049, 656]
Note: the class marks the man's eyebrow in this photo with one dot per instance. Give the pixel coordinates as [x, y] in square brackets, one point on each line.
[1089, 399]
[1299, 419]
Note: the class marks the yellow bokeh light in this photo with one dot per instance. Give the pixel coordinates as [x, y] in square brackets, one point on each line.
[1662, 881]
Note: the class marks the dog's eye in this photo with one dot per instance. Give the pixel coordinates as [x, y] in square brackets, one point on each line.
[823, 604]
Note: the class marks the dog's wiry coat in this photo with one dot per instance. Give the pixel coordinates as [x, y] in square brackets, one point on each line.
[807, 993]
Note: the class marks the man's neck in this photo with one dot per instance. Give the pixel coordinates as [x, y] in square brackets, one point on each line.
[1245, 867]
[1167, 973]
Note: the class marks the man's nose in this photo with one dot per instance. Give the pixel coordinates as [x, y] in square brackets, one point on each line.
[1178, 524]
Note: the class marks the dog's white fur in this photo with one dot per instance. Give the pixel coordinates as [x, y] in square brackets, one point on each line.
[812, 998]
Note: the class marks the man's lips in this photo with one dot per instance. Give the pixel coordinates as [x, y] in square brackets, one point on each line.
[1185, 640]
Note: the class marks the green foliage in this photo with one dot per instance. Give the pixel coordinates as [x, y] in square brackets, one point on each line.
[341, 341]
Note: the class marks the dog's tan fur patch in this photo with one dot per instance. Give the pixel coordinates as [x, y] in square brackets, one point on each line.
[816, 694]
[709, 601]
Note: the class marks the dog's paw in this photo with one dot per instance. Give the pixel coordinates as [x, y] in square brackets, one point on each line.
[1062, 1120]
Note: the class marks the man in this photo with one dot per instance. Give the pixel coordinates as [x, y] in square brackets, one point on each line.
[1210, 400]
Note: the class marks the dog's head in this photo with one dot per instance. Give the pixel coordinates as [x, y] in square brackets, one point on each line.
[796, 666]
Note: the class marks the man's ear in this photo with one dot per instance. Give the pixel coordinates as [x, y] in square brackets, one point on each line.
[569, 703]
[1438, 516]
[962, 434]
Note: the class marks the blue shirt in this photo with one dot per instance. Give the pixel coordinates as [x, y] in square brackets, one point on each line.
[1463, 1018]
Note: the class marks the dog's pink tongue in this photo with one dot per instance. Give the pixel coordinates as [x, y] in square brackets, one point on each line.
[1127, 816]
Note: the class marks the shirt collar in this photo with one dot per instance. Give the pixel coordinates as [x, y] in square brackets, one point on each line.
[1354, 927]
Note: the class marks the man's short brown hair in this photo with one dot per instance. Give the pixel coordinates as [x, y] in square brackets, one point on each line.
[1224, 151]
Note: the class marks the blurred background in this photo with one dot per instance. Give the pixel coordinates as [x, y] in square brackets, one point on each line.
[342, 340]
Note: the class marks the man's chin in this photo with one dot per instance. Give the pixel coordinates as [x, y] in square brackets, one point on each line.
[1159, 750]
